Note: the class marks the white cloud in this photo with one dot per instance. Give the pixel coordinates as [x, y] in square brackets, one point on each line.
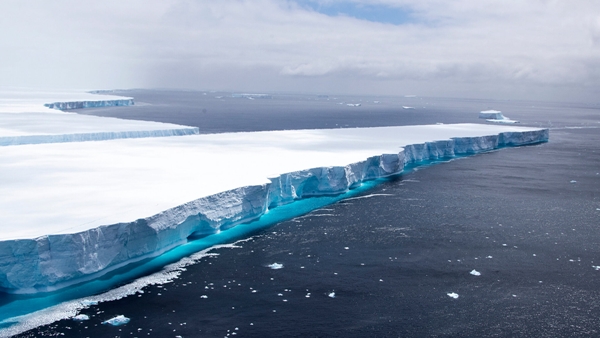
[463, 47]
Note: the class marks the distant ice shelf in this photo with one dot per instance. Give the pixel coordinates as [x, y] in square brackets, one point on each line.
[26, 118]
[90, 104]
[73, 211]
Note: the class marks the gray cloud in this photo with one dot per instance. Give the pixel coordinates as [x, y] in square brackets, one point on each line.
[497, 48]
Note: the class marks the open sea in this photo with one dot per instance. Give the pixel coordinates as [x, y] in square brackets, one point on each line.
[501, 244]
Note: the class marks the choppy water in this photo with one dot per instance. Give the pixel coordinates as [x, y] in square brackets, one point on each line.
[382, 262]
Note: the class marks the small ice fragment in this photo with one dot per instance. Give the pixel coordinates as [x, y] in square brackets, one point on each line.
[253, 291]
[280, 294]
[331, 295]
[117, 321]
[453, 295]
[308, 295]
[80, 318]
[275, 266]
[596, 267]
[475, 273]
[534, 255]
[573, 181]
[346, 248]
[381, 280]
[514, 295]
[503, 244]
[204, 296]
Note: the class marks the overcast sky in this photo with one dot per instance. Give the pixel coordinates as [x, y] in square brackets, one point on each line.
[508, 49]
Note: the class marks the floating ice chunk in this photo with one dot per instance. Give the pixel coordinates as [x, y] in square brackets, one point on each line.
[346, 248]
[204, 296]
[573, 181]
[275, 266]
[489, 257]
[353, 104]
[117, 321]
[407, 107]
[81, 317]
[453, 295]
[596, 267]
[331, 295]
[475, 273]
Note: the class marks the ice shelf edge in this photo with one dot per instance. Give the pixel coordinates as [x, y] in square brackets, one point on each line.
[68, 105]
[56, 261]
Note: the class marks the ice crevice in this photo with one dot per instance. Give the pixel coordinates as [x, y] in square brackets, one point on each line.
[52, 262]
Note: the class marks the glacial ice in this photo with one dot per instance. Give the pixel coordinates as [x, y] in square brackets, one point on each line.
[130, 199]
[24, 119]
[495, 116]
[117, 321]
[71, 211]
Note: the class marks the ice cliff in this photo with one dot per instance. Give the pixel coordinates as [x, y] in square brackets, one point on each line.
[90, 104]
[56, 261]
[94, 136]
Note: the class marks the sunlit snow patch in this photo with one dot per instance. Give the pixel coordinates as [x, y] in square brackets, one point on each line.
[453, 295]
[275, 266]
[117, 321]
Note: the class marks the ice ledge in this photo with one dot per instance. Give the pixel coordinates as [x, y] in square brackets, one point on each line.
[56, 261]
[95, 136]
[90, 104]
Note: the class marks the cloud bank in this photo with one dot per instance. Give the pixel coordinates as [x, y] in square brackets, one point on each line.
[538, 49]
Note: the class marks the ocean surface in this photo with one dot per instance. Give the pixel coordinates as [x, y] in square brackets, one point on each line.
[501, 244]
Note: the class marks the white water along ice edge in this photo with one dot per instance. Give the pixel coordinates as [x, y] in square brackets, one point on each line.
[72, 211]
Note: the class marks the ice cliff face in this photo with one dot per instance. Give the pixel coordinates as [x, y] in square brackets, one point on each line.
[90, 104]
[56, 261]
[94, 136]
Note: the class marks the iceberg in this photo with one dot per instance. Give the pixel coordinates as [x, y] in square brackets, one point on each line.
[25, 119]
[495, 116]
[71, 211]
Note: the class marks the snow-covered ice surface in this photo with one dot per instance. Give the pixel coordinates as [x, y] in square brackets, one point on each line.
[24, 119]
[26, 100]
[70, 210]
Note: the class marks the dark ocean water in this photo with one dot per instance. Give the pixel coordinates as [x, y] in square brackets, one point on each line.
[381, 264]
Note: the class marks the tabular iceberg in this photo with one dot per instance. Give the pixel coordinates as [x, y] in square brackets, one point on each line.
[230, 181]
[71, 210]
